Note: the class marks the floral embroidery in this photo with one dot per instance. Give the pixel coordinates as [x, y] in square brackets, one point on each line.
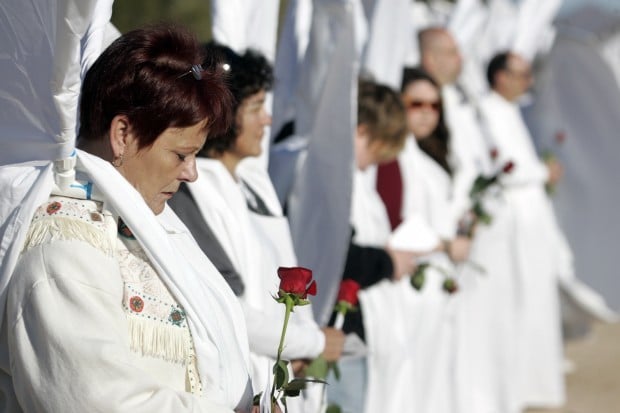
[124, 230]
[176, 316]
[53, 207]
[136, 304]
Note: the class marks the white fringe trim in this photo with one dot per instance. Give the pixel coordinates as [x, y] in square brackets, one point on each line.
[157, 339]
[63, 229]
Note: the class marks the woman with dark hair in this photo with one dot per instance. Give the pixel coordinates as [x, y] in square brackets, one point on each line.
[112, 305]
[422, 349]
[425, 117]
[237, 219]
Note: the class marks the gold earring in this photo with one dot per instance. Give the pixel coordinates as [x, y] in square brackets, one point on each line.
[118, 160]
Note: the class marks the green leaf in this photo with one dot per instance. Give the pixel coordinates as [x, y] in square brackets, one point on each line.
[419, 276]
[333, 408]
[336, 369]
[256, 399]
[417, 281]
[318, 368]
[280, 372]
[295, 384]
[291, 392]
[300, 384]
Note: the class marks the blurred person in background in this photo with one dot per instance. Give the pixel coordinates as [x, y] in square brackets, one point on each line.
[539, 254]
[234, 214]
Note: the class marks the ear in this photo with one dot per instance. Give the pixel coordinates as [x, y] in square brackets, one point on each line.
[501, 77]
[362, 132]
[120, 135]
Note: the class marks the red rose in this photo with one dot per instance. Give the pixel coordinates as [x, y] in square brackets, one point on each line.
[297, 280]
[508, 167]
[494, 153]
[348, 292]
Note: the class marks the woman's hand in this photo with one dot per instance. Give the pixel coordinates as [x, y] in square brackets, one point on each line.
[334, 343]
[458, 248]
[403, 262]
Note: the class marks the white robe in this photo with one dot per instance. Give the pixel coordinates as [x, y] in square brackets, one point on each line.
[257, 246]
[409, 333]
[486, 351]
[469, 154]
[535, 257]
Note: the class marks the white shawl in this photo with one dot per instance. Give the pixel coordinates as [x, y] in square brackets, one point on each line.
[215, 318]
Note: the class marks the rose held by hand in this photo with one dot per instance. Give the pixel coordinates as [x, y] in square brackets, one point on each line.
[348, 292]
[297, 280]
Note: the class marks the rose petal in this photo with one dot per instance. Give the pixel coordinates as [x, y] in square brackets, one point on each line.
[311, 288]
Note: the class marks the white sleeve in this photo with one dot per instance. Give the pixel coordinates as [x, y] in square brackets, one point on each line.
[514, 147]
[304, 339]
[68, 338]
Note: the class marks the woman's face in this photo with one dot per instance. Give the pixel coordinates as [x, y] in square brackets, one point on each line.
[252, 117]
[157, 171]
[421, 100]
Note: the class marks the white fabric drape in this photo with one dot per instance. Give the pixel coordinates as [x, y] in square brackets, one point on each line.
[292, 46]
[40, 48]
[389, 42]
[248, 24]
[320, 203]
[534, 27]
[242, 24]
[589, 116]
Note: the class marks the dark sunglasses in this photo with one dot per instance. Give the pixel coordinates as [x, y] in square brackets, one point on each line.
[419, 104]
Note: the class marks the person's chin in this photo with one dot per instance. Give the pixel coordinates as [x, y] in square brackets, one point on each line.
[158, 205]
[158, 208]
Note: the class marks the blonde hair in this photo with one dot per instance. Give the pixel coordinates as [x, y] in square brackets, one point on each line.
[380, 109]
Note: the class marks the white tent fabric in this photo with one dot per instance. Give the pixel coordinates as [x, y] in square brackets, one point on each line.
[466, 20]
[588, 113]
[482, 30]
[389, 41]
[533, 29]
[40, 47]
[243, 24]
[248, 24]
[39, 121]
[97, 37]
[291, 50]
[319, 213]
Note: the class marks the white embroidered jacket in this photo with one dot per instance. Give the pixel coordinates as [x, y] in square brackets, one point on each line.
[89, 323]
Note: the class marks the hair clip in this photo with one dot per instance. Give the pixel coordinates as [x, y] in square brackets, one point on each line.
[196, 71]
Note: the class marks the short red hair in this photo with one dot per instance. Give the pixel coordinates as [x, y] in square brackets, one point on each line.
[143, 75]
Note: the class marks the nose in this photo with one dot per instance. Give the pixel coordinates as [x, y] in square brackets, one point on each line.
[189, 172]
[266, 118]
